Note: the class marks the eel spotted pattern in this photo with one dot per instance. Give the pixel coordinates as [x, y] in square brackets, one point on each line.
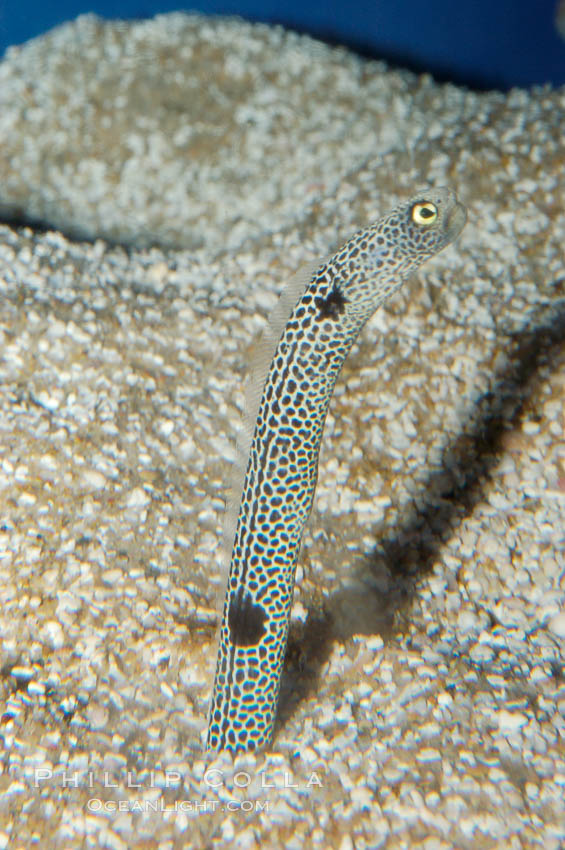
[282, 466]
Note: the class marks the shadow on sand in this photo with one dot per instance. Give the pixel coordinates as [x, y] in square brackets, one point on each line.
[385, 582]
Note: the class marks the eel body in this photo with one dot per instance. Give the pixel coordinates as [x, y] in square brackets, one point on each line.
[282, 467]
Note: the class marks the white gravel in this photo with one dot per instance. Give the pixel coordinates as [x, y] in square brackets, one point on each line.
[424, 702]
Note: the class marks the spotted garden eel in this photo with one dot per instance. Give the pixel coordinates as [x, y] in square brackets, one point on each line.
[278, 489]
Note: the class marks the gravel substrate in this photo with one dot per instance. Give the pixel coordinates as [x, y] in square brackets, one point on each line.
[423, 703]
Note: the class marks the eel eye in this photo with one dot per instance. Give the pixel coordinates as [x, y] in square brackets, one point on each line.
[424, 213]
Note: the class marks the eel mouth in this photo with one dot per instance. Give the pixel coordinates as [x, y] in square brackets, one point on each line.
[455, 221]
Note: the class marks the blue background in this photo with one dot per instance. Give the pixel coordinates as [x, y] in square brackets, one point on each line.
[481, 43]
